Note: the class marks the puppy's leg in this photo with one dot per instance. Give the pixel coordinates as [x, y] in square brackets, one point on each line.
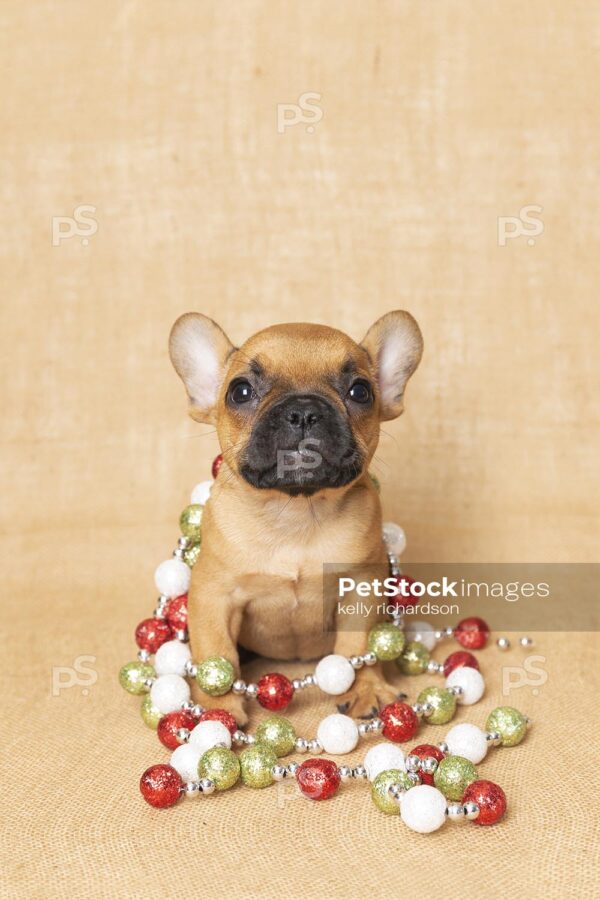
[370, 691]
[214, 624]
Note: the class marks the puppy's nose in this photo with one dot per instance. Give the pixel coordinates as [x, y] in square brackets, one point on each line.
[303, 412]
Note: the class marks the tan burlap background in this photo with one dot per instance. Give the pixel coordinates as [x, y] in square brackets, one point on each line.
[438, 117]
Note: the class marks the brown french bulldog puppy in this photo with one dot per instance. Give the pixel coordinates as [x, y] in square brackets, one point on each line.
[297, 410]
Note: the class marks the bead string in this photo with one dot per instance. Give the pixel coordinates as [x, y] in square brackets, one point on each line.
[204, 737]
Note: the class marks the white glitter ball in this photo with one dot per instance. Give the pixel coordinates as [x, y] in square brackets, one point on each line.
[394, 537]
[335, 674]
[423, 808]
[168, 693]
[470, 680]
[468, 741]
[382, 757]
[171, 658]
[337, 734]
[185, 760]
[201, 492]
[172, 578]
[422, 632]
[208, 734]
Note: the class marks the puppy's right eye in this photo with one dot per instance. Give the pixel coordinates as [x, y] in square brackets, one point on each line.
[240, 392]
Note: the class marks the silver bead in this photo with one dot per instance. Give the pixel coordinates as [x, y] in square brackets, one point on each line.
[412, 763]
[396, 791]
[197, 710]
[314, 746]
[279, 773]
[301, 745]
[238, 737]
[182, 635]
[414, 777]
[292, 769]
[448, 631]
[503, 643]
[493, 738]
[251, 690]
[345, 773]
[162, 600]
[250, 739]
[183, 735]
[429, 765]
[398, 621]
[191, 668]
[471, 810]
[238, 686]
[526, 642]
[149, 682]
[433, 667]
[376, 725]
[359, 772]
[178, 553]
[191, 789]
[143, 655]
[364, 728]
[309, 680]
[159, 613]
[456, 690]
[356, 662]
[428, 710]
[369, 658]
[183, 542]
[187, 706]
[443, 746]
[455, 811]
[417, 709]
[207, 786]
[297, 684]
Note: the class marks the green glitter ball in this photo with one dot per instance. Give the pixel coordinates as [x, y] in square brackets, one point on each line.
[510, 724]
[220, 765]
[386, 641]
[375, 481]
[215, 675]
[256, 763]
[413, 659]
[380, 790]
[453, 776]
[150, 714]
[133, 675]
[443, 702]
[278, 733]
[191, 554]
[189, 521]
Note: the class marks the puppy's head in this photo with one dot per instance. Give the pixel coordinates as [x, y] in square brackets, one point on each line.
[297, 407]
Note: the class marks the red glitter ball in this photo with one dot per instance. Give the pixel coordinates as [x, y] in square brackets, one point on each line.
[152, 633]
[400, 722]
[274, 691]
[472, 633]
[457, 660]
[423, 751]
[161, 786]
[490, 799]
[318, 779]
[176, 612]
[217, 463]
[220, 715]
[406, 582]
[170, 724]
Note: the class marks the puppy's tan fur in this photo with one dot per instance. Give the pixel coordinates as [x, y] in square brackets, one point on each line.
[259, 578]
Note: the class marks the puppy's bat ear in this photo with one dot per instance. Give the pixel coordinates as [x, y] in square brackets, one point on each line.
[395, 345]
[199, 350]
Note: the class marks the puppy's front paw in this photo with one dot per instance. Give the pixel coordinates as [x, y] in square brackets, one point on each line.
[233, 703]
[366, 697]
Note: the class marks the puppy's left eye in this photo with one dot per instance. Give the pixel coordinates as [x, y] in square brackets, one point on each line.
[360, 392]
[240, 392]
